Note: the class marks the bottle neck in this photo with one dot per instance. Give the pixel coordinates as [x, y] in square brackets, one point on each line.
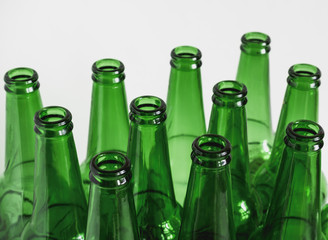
[185, 99]
[302, 90]
[109, 113]
[296, 199]
[22, 101]
[253, 71]
[228, 118]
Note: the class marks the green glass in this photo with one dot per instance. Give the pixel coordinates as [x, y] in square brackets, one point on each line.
[109, 122]
[158, 213]
[111, 206]
[207, 212]
[16, 193]
[324, 220]
[294, 211]
[59, 207]
[253, 71]
[300, 102]
[185, 113]
[228, 118]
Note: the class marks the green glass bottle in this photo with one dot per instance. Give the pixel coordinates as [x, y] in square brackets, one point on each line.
[228, 118]
[324, 220]
[111, 206]
[109, 122]
[294, 211]
[300, 102]
[185, 113]
[158, 213]
[16, 194]
[207, 212]
[59, 207]
[253, 71]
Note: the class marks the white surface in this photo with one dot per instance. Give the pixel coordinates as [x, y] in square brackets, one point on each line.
[61, 39]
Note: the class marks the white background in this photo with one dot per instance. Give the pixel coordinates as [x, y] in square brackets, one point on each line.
[61, 39]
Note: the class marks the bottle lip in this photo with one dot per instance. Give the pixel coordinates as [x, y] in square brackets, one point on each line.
[304, 135]
[21, 80]
[304, 76]
[255, 43]
[186, 58]
[229, 93]
[53, 121]
[211, 150]
[110, 168]
[108, 70]
[148, 109]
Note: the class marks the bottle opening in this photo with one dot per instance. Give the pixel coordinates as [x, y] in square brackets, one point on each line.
[304, 76]
[21, 80]
[188, 52]
[230, 93]
[21, 74]
[53, 116]
[108, 71]
[148, 103]
[108, 65]
[256, 37]
[255, 43]
[211, 150]
[186, 58]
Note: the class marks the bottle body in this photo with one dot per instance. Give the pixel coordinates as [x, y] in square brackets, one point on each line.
[158, 213]
[253, 71]
[228, 118]
[185, 111]
[59, 206]
[109, 123]
[22, 101]
[111, 212]
[294, 211]
[207, 212]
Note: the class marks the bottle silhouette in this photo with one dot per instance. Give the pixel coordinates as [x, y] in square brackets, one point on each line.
[228, 118]
[185, 113]
[158, 213]
[59, 207]
[16, 192]
[109, 122]
[111, 207]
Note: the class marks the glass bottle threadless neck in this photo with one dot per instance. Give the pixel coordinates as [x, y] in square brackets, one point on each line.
[110, 169]
[304, 76]
[21, 80]
[304, 136]
[148, 110]
[186, 58]
[229, 93]
[211, 151]
[108, 71]
[53, 121]
[255, 43]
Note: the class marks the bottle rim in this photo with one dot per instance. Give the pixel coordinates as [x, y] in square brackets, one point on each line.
[229, 92]
[255, 43]
[21, 80]
[304, 76]
[186, 58]
[211, 150]
[108, 70]
[148, 109]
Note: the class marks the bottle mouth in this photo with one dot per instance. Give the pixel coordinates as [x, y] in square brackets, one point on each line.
[110, 168]
[304, 135]
[186, 58]
[229, 93]
[148, 109]
[304, 76]
[255, 43]
[53, 121]
[211, 150]
[21, 80]
[108, 70]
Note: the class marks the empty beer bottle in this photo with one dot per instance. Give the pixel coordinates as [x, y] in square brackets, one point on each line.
[185, 113]
[158, 213]
[111, 207]
[16, 194]
[294, 211]
[300, 102]
[228, 118]
[109, 122]
[207, 212]
[253, 71]
[59, 207]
